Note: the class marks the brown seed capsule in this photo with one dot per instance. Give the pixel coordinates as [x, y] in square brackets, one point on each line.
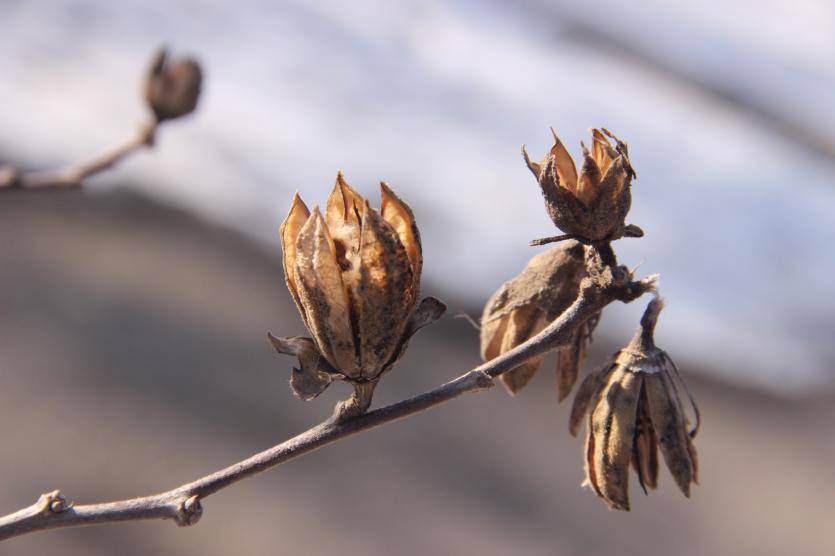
[633, 411]
[172, 88]
[523, 306]
[354, 274]
[590, 205]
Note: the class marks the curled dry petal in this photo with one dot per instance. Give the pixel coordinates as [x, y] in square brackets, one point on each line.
[314, 374]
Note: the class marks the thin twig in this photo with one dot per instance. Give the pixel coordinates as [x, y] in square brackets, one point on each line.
[74, 175]
[182, 504]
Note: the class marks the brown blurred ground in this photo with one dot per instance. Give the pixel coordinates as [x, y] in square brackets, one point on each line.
[133, 358]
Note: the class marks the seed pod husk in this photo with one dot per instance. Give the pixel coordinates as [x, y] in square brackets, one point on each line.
[524, 305]
[634, 411]
[590, 205]
[354, 275]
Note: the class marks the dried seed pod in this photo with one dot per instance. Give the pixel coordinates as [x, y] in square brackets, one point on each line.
[354, 274]
[591, 205]
[633, 411]
[172, 88]
[523, 306]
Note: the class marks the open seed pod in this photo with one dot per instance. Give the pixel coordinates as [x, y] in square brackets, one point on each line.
[633, 410]
[354, 274]
[590, 205]
[172, 88]
[523, 306]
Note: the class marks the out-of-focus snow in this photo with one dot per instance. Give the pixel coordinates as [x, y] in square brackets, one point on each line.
[436, 98]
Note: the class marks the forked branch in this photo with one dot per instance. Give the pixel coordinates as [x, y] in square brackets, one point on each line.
[183, 504]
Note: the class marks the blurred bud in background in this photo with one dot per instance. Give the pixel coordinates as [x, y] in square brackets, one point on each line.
[173, 86]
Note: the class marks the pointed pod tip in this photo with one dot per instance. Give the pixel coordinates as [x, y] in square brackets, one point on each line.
[386, 192]
[622, 505]
[341, 183]
[297, 202]
[298, 212]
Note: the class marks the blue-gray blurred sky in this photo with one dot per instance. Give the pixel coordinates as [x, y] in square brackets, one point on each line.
[728, 106]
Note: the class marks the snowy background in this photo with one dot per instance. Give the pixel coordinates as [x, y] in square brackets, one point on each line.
[729, 109]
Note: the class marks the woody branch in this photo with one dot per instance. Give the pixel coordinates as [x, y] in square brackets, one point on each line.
[74, 175]
[172, 89]
[183, 504]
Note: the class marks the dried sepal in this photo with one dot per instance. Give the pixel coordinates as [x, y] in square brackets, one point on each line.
[634, 411]
[591, 205]
[523, 306]
[314, 374]
[428, 311]
[172, 87]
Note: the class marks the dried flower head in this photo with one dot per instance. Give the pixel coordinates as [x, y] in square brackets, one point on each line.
[173, 86]
[591, 205]
[634, 409]
[354, 274]
[525, 305]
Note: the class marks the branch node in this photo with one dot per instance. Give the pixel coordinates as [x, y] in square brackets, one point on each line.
[482, 380]
[52, 503]
[190, 511]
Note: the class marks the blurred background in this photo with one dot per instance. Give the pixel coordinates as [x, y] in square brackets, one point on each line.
[133, 315]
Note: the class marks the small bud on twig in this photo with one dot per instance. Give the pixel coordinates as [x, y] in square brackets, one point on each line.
[173, 86]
